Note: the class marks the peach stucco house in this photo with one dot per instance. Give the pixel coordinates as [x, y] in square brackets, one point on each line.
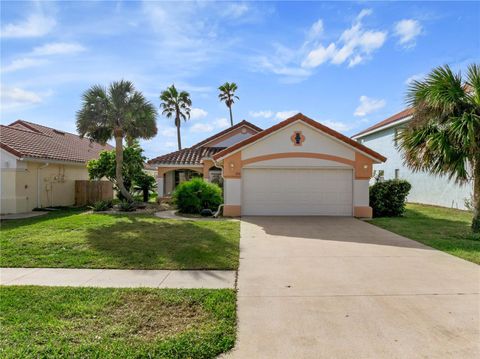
[297, 167]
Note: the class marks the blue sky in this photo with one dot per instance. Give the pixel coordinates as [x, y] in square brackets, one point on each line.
[345, 64]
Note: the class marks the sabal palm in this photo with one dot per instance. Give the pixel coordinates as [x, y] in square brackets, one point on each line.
[178, 105]
[444, 136]
[119, 111]
[227, 95]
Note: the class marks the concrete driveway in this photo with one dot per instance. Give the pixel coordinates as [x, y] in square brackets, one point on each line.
[318, 287]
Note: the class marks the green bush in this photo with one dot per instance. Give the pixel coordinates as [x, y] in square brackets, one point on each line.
[100, 206]
[194, 195]
[126, 206]
[387, 198]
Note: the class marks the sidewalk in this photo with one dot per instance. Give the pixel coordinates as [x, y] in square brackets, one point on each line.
[118, 278]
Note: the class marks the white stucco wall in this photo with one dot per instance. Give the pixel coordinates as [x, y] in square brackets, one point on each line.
[232, 188]
[315, 141]
[27, 184]
[297, 163]
[426, 188]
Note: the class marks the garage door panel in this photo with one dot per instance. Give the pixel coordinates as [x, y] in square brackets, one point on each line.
[297, 192]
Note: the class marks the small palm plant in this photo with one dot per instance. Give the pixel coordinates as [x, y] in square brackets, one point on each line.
[119, 112]
[227, 95]
[444, 136]
[178, 105]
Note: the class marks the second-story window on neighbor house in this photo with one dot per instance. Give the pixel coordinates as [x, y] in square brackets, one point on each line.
[395, 139]
[397, 173]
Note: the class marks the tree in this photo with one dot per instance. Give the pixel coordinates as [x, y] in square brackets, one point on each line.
[119, 111]
[106, 164]
[443, 137]
[176, 104]
[145, 183]
[227, 95]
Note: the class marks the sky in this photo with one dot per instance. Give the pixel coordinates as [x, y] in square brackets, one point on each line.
[344, 64]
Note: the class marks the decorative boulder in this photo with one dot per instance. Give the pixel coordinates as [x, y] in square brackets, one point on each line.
[206, 212]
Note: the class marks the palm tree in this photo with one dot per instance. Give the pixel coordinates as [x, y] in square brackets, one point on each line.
[176, 104]
[119, 111]
[227, 94]
[444, 135]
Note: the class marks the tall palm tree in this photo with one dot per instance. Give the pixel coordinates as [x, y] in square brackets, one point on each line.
[119, 111]
[227, 95]
[176, 104]
[444, 135]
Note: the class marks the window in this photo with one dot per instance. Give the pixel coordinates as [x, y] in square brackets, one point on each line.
[397, 173]
[395, 139]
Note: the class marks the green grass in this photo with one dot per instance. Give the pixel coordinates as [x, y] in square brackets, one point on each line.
[74, 239]
[442, 228]
[59, 322]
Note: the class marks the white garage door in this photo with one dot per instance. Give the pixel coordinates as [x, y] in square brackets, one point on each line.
[297, 192]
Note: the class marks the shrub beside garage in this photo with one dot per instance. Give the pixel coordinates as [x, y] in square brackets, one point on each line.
[388, 198]
[194, 195]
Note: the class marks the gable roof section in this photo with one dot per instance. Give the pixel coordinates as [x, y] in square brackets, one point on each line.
[226, 131]
[186, 156]
[309, 121]
[389, 121]
[29, 140]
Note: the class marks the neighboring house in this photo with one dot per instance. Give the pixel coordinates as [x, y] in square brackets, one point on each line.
[39, 166]
[297, 167]
[426, 188]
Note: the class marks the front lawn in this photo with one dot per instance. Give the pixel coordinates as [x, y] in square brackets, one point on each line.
[56, 322]
[442, 228]
[74, 239]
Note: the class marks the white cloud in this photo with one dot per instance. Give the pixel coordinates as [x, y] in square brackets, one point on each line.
[283, 115]
[316, 30]
[264, 114]
[14, 97]
[168, 131]
[368, 105]
[23, 63]
[319, 56]
[337, 125]
[35, 25]
[196, 113]
[355, 45]
[57, 48]
[216, 125]
[416, 77]
[201, 127]
[235, 10]
[407, 31]
[221, 123]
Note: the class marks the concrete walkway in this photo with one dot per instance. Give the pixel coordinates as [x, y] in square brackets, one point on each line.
[342, 288]
[213, 279]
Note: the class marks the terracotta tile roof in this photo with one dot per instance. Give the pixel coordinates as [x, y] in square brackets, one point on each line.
[397, 117]
[309, 121]
[26, 139]
[186, 156]
[221, 133]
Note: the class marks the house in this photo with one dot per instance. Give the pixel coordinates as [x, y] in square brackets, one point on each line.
[426, 188]
[296, 167]
[39, 166]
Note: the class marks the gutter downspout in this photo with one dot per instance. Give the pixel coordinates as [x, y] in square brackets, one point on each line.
[38, 183]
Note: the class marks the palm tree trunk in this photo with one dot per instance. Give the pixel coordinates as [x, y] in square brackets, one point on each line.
[179, 139]
[118, 132]
[476, 195]
[231, 116]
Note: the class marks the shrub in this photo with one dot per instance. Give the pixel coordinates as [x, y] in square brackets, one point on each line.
[194, 195]
[126, 206]
[387, 198]
[100, 206]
